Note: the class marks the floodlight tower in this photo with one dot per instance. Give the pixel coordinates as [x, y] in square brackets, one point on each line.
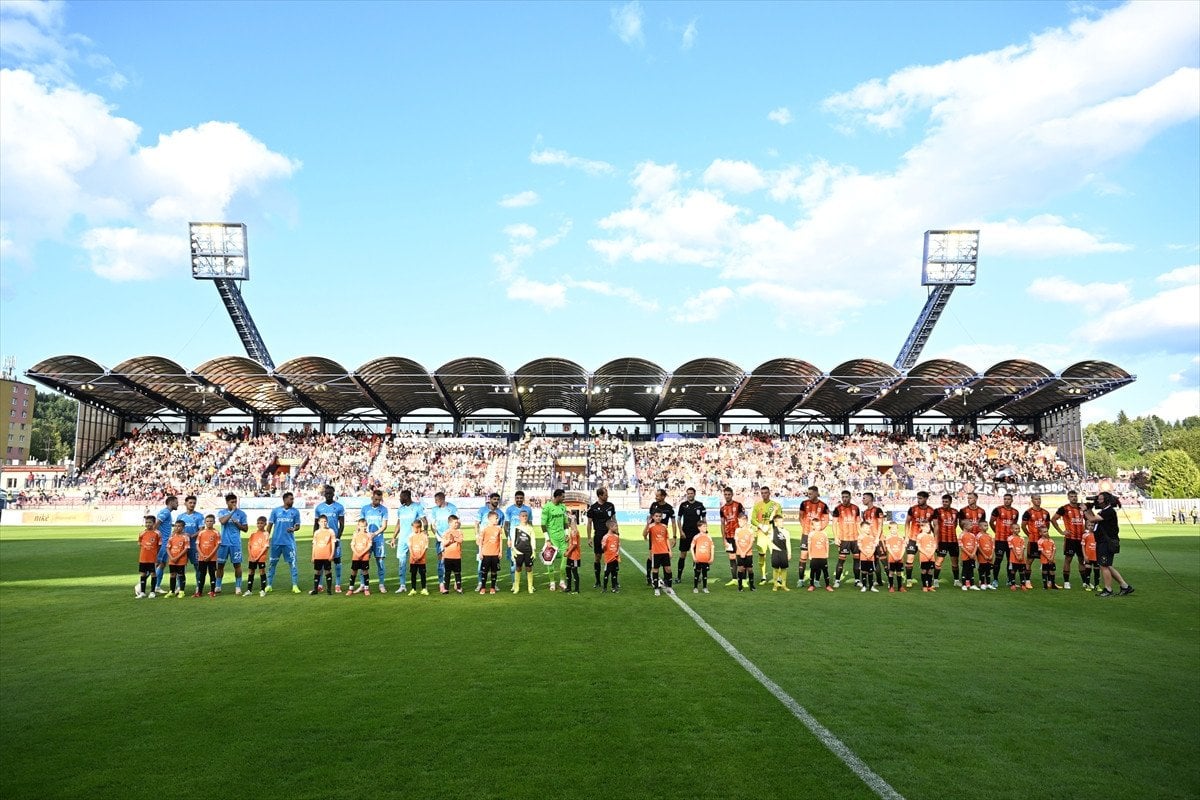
[219, 255]
[950, 260]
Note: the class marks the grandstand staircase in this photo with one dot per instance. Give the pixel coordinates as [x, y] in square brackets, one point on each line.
[509, 484]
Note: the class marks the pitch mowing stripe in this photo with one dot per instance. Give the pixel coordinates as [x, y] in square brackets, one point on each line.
[835, 745]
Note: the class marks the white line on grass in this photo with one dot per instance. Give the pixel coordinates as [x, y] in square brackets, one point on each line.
[831, 742]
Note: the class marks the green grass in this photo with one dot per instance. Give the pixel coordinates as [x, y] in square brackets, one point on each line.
[990, 695]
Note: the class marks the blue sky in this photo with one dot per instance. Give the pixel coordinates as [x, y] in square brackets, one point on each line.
[595, 180]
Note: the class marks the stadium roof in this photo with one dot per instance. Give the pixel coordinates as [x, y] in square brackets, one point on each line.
[146, 385]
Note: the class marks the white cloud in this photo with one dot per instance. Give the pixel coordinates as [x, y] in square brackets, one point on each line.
[782, 115]
[543, 295]
[130, 254]
[1189, 375]
[688, 40]
[1057, 289]
[1190, 274]
[627, 22]
[632, 296]
[1178, 405]
[520, 230]
[562, 158]
[704, 306]
[982, 357]
[520, 199]
[33, 36]
[1042, 236]
[1167, 322]
[68, 157]
[735, 176]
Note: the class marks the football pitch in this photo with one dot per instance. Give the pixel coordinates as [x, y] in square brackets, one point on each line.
[550, 696]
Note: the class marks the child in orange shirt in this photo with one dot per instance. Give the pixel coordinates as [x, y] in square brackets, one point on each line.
[206, 551]
[985, 548]
[702, 556]
[611, 545]
[149, 541]
[574, 559]
[418, 546]
[895, 545]
[489, 540]
[867, 544]
[1047, 550]
[322, 556]
[1018, 562]
[360, 564]
[259, 546]
[656, 534]
[744, 539]
[927, 549]
[177, 558]
[451, 555]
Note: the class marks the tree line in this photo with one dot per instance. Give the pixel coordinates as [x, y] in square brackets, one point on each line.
[1162, 458]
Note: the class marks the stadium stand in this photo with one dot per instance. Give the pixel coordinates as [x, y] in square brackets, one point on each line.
[575, 464]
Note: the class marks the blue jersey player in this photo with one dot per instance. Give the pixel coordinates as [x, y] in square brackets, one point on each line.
[439, 519]
[492, 506]
[192, 521]
[407, 513]
[233, 525]
[282, 526]
[375, 514]
[163, 522]
[335, 515]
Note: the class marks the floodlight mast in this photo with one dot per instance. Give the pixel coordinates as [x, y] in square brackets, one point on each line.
[950, 260]
[220, 255]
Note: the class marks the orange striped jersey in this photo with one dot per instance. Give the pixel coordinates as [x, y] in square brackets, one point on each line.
[611, 544]
[148, 543]
[322, 544]
[1089, 546]
[814, 515]
[1004, 521]
[702, 549]
[926, 546]
[1016, 548]
[847, 516]
[658, 539]
[894, 544]
[743, 541]
[177, 549]
[206, 543]
[969, 543]
[1035, 522]
[360, 545]
[985, 548]
[418, 545]
[973, 519]
[947, 524]
[451, 543]
[917, 516]
[489, 540]
[259, 545]
[818, 545]
[874, 515]
[866, 546]
[573, 550]
[1073, 520]
[729, 518]
[1047, 550]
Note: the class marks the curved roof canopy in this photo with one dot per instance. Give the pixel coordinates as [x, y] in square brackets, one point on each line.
[139, 387]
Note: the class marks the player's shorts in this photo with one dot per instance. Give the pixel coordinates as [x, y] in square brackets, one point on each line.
[779, 559]
[867, 564]
[452, 564]
[880, 552]
[256, 564]
[358, 564]
[849, 548]
[162, 553]
[745, 561]
[729, 548]
[193, 553]
[612, 567]
[378, 547]
[144, 566]
[337, 551]
[927, 565]
[804, 543]
[910, 549]
[598, 543]
[230, 552]
[947, 549]
[321, 563]
[895, 566]
[660, 560]
[1001, 549]
[523, 560]
[1106, 551]
[701, 566]
[1032, 552]
[1073, 547]
[685, 541]
[490, 563]
[285, 551]
[177, 569]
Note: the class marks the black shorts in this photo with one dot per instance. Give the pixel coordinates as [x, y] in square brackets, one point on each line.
[660, 560]
[947, 549]
[866, 565]
[257, 565]
[363, 564]
[895, 566]
[685, 541]
[573, 563]
[612, 567]
[745, 561]
[1105, 553]
[880, 552]
[910, 549]
[803, 542]
[522, 560]
[1073, 547]
[176, 569]
[1001, 549]
[1047, 566]
[927, 565]
[321, 563]
[452, 565]
[145, 566]
[1032, 552]
[848, 548]
[598, 543]
[729, 547]
[701, 566]
[490, 563]
[779, 559]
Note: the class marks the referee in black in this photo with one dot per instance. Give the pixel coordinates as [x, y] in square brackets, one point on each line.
[598, 515]
[691, 514]
[1103, 514]
[661, 506]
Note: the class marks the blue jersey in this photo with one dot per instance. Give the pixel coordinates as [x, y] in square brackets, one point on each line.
[192, 523]
[333, 513]
[439, 518]
[376, 518]
[231, 534]
[284, 523]
[512, 515]
[164, 523]
[406, 515]
[481, 517]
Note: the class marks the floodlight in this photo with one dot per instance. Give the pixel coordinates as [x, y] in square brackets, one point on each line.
[219, 251]
[950, 258]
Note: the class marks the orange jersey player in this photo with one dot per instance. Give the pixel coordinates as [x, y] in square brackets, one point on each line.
[208, 542]
[149, 541]
[418, 550]
[323, 545]
[895, 544]
[846, 517]
[945, 526]
[258, 547]
[868, 541]
[1047, 550]
[489, 540]
[1020, 564]
[702, 556]
[177, 556]
[814, 518]
[744, 540]
[927, 550]
[918, 515]
[1004, 523]
[985, 551]
[1035, 522]
[818, 554]
[452, 542]
[574, 559]
[1091, 577]
[1070, 521]
[360, 564]
[657, 535]
[730, 511]
[611, 550]
[968, 545]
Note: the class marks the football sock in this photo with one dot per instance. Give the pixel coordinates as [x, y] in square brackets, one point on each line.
[857, 571]
[837, 574]
[649, 564]
[529, 576]
[158, 573]
[937, 573]
[597, 572]
[668, 571]
[954, 570]
[337, 571]
[682, 564]
[908, 572]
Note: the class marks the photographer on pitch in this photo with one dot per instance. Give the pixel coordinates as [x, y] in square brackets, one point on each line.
[1102, 513]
